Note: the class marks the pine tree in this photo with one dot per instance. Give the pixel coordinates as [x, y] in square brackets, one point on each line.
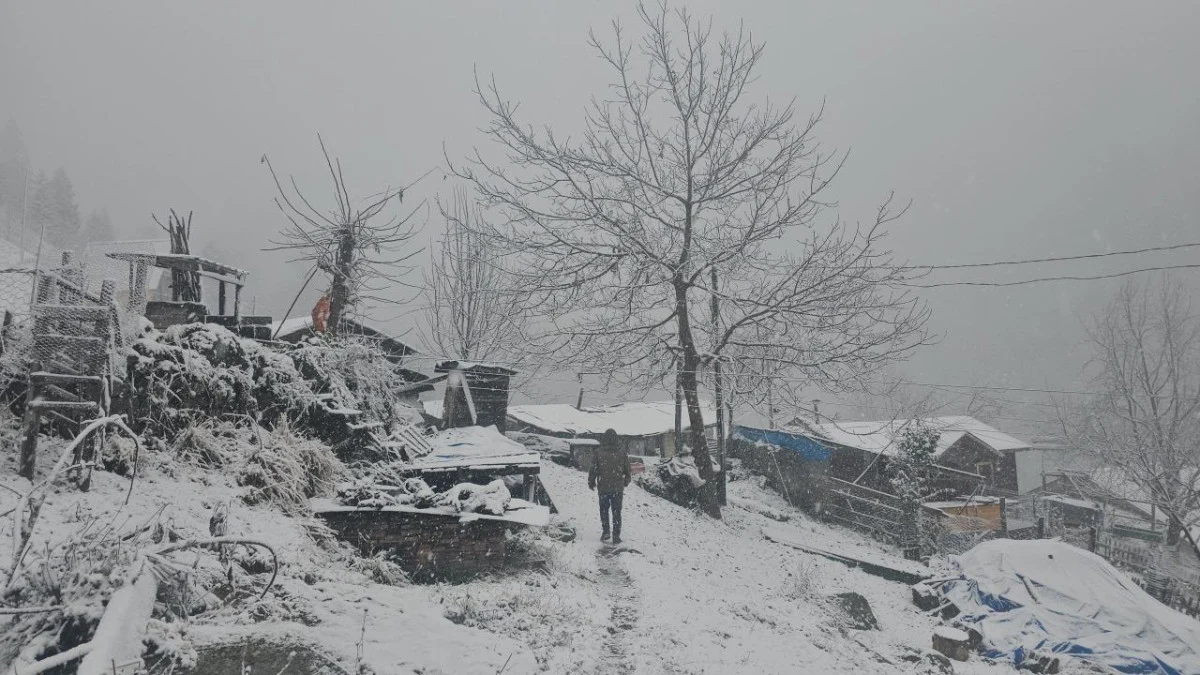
[911, 470]
[39, 211]
[98, 227]
[62, 228]
[14, 163]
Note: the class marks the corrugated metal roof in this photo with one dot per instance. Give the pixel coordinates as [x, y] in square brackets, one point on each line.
[880, 437]
[649, 418]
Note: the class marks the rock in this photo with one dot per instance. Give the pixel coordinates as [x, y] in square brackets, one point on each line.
[939, 663]
[924, 597]
[927, 663]
[857, 610]
[1040, 663]
[952, 642]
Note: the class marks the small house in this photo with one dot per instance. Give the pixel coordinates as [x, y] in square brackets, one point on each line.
[969, 454]
[645, 429]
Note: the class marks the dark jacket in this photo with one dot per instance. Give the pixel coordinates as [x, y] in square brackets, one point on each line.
[610, 470]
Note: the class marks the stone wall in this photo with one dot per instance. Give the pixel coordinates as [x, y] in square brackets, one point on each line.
[429, 546]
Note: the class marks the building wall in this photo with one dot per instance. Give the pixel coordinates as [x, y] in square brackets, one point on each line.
[968, 454]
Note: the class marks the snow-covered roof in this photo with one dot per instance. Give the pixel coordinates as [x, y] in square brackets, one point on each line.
[880, 437]
[474, 446]
[641, 418]
[291, 325]
[304, 322]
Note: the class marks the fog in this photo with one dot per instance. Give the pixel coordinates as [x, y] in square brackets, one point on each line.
[1018, 130]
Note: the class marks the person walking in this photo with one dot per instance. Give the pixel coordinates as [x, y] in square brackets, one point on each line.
[610, 473]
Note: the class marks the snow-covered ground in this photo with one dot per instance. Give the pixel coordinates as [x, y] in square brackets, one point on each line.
[323, 599]
[688, 594]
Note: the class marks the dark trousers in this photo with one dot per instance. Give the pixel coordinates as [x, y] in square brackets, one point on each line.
[611, 501]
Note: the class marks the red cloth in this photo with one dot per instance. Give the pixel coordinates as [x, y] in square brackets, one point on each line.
[320, 314]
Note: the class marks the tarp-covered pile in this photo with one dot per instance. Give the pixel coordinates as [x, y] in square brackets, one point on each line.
[1045, 597]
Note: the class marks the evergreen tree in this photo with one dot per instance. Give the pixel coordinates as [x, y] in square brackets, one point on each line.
[98, 227]
[911, 473]
[39, 211]
[62, 228]
[14, 163]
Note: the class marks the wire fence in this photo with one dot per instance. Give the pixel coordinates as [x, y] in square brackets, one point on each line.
[61, 317]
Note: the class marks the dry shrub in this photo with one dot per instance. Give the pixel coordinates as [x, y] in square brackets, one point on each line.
[287, 470]
[79, 575]
[211, 444]
[380, 568]
[801, 582]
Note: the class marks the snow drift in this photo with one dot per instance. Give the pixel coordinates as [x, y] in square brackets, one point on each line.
[1051, 597]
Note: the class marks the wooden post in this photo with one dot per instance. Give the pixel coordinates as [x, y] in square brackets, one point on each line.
[1003, 515]
[1092, 539]
[1041, 527]
[221, 298]
[137, 295]
[29, 430]
[237, 301]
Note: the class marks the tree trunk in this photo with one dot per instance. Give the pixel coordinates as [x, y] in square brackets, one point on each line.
[339, 294]
[688, 383]
[717, 393]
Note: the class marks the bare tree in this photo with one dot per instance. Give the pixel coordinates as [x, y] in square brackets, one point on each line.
[474, 313]
[185, 285]
[1146, 422]
[676, 173]
[360, 246]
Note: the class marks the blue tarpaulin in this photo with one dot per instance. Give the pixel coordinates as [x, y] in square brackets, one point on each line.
[802, 445]
[1048, 597]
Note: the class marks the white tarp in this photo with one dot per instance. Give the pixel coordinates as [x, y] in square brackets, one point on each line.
[1050, 597]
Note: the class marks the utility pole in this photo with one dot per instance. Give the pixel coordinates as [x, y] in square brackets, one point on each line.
[717, 391]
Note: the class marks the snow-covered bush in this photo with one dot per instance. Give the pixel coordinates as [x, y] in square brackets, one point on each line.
[79, 575]
[338, 392]
[286, 471]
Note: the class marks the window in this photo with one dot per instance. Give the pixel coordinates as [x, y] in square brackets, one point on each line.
[985, 469]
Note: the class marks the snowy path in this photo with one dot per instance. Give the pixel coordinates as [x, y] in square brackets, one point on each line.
[711, 597]
[624, 613]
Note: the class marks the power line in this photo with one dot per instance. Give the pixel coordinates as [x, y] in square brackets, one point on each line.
[1059, 278]
[1085, 256]
[800, 380]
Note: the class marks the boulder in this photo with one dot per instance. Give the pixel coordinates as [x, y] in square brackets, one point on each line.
[857, 611]
[952, 642]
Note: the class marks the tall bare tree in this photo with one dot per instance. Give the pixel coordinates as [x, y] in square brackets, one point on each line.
[474, 312]
[1146, 421]
[675, 173]
[361, 246]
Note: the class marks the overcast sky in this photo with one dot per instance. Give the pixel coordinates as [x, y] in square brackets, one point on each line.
[1018, 129]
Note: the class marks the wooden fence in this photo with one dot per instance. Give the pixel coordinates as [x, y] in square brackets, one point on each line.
[1173, 584]
[879, 514]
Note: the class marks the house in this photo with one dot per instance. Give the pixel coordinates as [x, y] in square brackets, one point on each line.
[646, 428]
[969, 455]
[793, 463]
[476, 394]
[1045, 456]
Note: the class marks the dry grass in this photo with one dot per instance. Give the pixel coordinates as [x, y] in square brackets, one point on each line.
[286, 470]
